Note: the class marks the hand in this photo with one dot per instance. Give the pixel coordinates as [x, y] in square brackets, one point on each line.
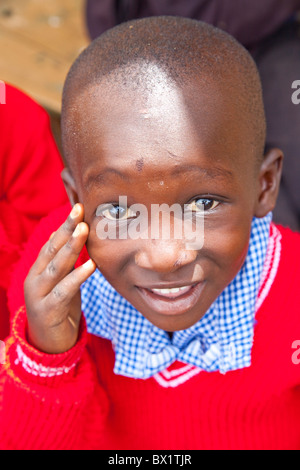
[52, 287]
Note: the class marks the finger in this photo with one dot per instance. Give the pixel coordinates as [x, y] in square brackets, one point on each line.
[63, 293]
[63, 262]
[58, 239]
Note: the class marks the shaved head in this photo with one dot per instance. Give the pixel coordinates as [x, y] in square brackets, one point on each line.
[184, 50]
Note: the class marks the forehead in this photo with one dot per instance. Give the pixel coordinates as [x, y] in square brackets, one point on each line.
[156, 123]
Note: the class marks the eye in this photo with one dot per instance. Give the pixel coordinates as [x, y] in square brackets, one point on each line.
[115, 212]
[202, 204]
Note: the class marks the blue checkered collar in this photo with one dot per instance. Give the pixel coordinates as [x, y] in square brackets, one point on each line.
[220, 341]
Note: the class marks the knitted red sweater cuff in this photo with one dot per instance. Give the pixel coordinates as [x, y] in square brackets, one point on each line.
[39, 366]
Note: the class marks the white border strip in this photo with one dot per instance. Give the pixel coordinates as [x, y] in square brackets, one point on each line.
[39, 370]
[274, 269]
[175, 372]
[177, 381]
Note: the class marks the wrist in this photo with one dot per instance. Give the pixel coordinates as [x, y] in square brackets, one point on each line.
[40, 366]
[62, 338]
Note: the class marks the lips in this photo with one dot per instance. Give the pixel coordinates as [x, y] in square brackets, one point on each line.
[171, 300]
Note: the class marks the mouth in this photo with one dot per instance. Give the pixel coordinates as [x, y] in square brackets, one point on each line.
[171, 293]
[171, 300]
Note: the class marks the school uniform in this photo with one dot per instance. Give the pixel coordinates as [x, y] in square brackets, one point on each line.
[79, 400]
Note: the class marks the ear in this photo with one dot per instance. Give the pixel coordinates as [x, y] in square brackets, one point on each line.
[70, 186]
[269, 181]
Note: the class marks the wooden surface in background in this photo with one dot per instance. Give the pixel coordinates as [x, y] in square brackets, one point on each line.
[39, 40]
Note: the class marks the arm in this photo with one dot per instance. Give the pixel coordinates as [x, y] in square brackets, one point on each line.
[100, 16]
[252, 20]
[248, 21]
[48, 400]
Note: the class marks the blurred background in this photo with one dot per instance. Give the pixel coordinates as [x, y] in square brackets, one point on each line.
[39, 40]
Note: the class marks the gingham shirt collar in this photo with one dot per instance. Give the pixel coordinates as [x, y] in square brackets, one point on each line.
[220, 341]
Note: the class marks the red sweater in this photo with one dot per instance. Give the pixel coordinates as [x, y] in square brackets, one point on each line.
[30, 167]
[74, 400]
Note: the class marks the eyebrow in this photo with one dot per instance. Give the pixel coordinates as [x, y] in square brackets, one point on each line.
[211, 173]
[216, 172]
[99, 178]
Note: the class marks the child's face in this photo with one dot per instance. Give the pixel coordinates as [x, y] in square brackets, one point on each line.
[175, 147]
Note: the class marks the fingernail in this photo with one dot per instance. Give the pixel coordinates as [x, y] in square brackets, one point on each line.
[89, 264]
[77, 231]
[75, 211]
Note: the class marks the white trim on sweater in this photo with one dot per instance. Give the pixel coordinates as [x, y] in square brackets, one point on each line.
[39, 369]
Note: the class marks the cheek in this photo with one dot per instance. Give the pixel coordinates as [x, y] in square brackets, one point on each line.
[109, 255]
[228, 248]
[235, 250]
[99, 250]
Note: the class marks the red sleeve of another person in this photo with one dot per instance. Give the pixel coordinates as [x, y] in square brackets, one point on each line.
[30, 182]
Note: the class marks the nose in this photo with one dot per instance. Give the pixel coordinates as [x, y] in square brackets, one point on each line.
[164, 256]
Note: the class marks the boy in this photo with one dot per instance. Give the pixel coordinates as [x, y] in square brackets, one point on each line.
[160, 111]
